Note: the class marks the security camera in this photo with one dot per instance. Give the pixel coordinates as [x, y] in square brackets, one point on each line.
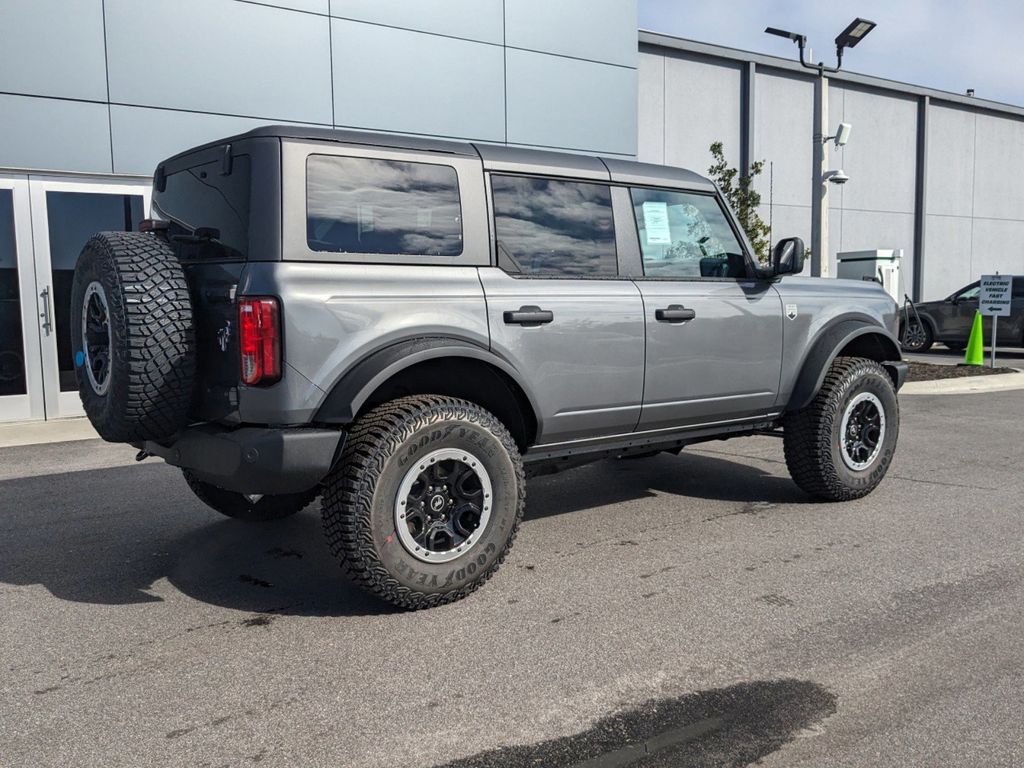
[836, 177]
[843, 134]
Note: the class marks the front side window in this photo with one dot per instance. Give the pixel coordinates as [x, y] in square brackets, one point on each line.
[970, 293]
[554, 228]
[685, 235]
[363, 205]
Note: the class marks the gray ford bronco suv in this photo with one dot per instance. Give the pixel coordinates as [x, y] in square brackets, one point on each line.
[407, 328]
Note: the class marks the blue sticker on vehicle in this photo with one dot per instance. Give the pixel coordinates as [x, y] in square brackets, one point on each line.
[79, 359]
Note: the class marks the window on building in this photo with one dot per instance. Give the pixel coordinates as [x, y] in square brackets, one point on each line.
[74, 217]
[685, 235]
[363, 205]
[12, 346]
[554, 228]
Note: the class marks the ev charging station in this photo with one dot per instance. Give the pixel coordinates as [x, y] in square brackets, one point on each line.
[882, 265]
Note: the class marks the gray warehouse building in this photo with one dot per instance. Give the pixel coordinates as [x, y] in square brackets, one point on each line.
[93, 93]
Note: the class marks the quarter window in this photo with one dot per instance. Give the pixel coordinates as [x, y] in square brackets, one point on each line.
[685, 235]
[554, 228]
[363, 205]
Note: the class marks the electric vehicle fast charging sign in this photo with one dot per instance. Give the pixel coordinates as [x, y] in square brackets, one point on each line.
[995, 295]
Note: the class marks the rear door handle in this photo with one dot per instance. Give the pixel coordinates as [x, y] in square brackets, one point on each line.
[674, 313]
[529, 317]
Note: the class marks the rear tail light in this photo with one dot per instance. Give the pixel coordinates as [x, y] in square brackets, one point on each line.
[259, 340]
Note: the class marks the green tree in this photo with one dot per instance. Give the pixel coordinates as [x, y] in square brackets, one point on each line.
[743, 199]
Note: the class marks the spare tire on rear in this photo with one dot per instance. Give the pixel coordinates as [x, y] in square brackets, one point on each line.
[132, 336]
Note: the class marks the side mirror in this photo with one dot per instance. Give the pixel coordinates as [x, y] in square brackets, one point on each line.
[788, 257]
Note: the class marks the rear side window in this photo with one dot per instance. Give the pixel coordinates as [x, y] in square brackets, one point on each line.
[1017, 288]
[685, 235]
[204, 196]
[554, 228]
[363, 205]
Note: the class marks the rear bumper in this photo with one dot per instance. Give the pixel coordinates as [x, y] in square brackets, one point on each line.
[254, 460]
[898, 370]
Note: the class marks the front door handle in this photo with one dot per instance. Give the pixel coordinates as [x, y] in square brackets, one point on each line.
[674, 313]
[529, 317]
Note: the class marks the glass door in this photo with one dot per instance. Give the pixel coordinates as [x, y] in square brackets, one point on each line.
[21, 384]
[65, 214]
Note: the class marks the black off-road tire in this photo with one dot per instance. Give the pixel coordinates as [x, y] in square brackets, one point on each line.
[813, 439]
[359, 501]
[235, 505]
[152, 339]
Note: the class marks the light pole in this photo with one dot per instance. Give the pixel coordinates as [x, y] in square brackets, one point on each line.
[822, 176]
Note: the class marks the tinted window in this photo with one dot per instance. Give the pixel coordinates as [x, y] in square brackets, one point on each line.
[970, 293]
[73, 218]
[359, 205]
[685, 235]
[1017, 289]
[12, 348]
[203, 196]
[547, 227]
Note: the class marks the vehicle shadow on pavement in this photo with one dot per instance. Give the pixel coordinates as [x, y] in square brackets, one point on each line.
[688, 476]
[112, 536]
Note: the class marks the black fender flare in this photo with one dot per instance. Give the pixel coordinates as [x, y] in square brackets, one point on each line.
[826, 347]
[355, 386]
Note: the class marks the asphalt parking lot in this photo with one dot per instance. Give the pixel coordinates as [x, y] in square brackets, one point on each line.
[692, 610]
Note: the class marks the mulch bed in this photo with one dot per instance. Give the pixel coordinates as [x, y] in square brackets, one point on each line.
[931, 372]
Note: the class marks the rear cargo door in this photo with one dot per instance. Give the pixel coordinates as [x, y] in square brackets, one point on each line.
[205, 200]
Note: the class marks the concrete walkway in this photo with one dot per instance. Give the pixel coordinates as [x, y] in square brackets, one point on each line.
[1000, 382]
[39, 432]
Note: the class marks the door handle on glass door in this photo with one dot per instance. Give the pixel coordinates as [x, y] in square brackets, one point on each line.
[46, 314]
[674, 313]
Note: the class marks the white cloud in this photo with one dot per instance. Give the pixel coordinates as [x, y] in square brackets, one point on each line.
[951, 45]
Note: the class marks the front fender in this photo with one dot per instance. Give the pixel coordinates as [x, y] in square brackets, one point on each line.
[827, 346]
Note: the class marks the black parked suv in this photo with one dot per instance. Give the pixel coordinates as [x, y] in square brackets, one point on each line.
[950, 320]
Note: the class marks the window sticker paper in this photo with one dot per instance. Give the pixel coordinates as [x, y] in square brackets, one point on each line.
[656, 223]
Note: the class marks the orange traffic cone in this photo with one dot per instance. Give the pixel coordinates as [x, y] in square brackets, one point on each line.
[976, 346]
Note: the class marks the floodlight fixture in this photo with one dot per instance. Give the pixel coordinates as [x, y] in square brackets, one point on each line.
[854, 33]
[848, 38]
[798, 39]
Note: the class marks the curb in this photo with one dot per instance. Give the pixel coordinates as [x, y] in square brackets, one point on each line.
[40, 432]
[999, 382]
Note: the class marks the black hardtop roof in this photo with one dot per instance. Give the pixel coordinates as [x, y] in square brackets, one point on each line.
[496, 157]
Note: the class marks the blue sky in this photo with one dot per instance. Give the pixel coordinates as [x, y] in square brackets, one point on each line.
[947, 44]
